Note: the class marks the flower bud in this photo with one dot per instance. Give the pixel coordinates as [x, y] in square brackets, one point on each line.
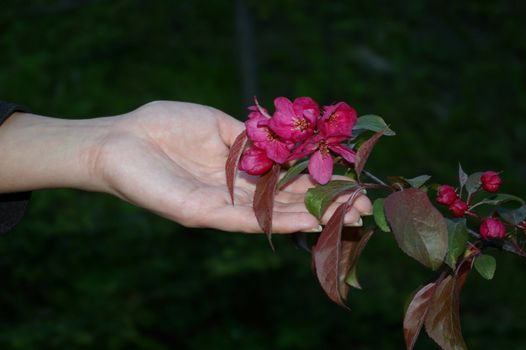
[255, 161]
[490, 181]
[458, 208]
[492, 228]
[446, 195]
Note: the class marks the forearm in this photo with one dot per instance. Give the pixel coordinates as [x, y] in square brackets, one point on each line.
[39, 152]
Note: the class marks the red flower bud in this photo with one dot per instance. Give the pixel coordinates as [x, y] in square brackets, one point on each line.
[255, 161]
[492, 228]
[458, 208]
[490, 181]
[446, 195]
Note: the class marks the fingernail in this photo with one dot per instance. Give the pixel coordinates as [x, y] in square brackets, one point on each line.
[358, 223]
[369, 213]
[315, 229]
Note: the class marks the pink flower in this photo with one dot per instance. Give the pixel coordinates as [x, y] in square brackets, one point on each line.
[490, 181]
[492, 228]
[334, 127]
[446, 195]
[263, 137]
[458, 208]
[321, 162]
[337, 120]
[294, 121]
[255, 161]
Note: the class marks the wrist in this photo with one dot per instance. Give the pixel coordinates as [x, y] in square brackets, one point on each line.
[40, 152]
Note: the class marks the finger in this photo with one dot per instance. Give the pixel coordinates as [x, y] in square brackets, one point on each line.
[351, 217]
[294, 222]
[303, 182]
[229, 128]
[290, 207]
[242, 219]
[300, 185]
[289, 197]
[362, 203]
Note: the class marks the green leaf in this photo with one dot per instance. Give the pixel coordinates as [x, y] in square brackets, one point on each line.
[379, 215]
[292, 172]
[513, 216]
[486, 266]
[473, 182]
[373, 123]
[419, 228]
[318, 199]
[462, 176]
[457, 240]
[418, 181]
[352, 279]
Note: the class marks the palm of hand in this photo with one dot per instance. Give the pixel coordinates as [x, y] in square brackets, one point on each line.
[169, 157]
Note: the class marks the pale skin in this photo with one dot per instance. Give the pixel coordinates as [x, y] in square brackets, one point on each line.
[166, 157]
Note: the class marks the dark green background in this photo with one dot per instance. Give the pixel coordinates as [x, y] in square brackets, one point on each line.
[86, 271]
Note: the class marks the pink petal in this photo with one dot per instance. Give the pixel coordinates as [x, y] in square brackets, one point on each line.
[276, 150]
[337, 120]
[284, 105]
[347, 154]
[307, 107]
[305, 148]
[320, 167]
[282, 122]
[281, 125]
[256, 132]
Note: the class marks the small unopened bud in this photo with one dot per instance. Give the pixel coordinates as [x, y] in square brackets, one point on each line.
[458, 208]
[492, 228]
[446, 195]
[491, 181]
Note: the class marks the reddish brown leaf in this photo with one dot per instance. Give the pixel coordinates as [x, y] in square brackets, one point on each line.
[416, 314]
[443, 318]
[232, 161]
[462, 273]
[364, 151]
[418, 227]
[354, 240]
[333, 258]
[261, 110]
[264, 200]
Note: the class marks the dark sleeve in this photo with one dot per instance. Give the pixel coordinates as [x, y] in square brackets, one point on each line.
[12, 205]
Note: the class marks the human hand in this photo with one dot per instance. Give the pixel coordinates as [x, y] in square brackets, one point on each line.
[169, 157]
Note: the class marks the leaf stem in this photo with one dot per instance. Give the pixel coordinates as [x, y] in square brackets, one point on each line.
[374, 178]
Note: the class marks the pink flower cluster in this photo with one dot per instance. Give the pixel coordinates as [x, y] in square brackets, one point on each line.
[298, 129]
[490, 228]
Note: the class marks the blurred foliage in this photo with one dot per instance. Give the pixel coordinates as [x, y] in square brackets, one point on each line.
[85, 271]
